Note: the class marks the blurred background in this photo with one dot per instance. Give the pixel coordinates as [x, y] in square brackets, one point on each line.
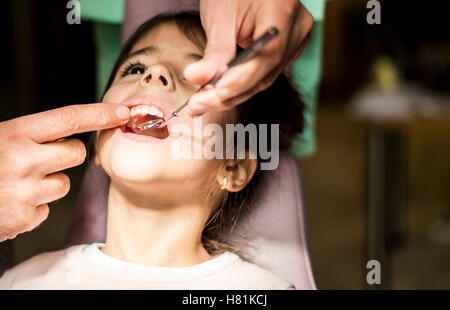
[378, 185]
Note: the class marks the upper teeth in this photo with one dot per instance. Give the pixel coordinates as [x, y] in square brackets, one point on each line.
[145, 109]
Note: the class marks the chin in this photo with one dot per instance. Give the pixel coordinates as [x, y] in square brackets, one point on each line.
[135, 166]
[143, 164]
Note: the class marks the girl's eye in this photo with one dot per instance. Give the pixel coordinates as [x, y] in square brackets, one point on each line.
[135, 68]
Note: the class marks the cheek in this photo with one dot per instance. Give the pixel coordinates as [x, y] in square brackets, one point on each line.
[199, 137]
[116, 94]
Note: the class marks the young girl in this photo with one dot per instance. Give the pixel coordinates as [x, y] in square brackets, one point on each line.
[167, 216]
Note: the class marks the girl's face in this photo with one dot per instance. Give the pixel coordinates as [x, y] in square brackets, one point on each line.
[152, 78]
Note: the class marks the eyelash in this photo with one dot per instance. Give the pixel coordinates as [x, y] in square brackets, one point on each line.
[131, 66]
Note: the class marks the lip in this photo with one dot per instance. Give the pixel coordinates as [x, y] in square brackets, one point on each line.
[126, 133]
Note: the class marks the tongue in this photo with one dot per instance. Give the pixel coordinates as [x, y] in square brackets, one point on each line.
[159, 133]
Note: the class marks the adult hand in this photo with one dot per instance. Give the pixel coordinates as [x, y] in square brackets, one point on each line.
[238, 22]
[32, 153]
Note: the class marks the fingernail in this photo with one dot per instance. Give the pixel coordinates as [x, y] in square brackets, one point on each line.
[190, 113]
[123, 113]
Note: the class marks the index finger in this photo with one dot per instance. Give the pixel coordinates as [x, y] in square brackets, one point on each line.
[63, 122]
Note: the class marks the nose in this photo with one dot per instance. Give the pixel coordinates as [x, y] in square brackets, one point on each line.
[158, 75]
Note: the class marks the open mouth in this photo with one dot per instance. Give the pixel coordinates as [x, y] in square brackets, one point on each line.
[144, 113]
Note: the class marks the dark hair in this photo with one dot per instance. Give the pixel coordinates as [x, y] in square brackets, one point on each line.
[278, 104]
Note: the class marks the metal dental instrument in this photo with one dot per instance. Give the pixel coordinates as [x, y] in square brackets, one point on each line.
[250, 51]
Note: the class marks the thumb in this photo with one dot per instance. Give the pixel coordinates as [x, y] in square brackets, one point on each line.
[220, 49]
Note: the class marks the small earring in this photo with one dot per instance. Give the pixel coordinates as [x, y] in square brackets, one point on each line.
[224, 184]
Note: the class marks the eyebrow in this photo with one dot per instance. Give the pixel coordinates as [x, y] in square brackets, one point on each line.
[194, 56]
[143, 51]
[154, 49]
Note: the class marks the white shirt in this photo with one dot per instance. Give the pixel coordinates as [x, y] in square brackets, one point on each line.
[87, 267]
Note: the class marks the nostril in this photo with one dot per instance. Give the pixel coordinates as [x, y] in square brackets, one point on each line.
[163, 80]
[148, 78]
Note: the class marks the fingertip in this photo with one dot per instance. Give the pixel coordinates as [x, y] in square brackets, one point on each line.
[205, 98]
[190, 113]
[123, 113]
[197, 110]
[190, 69]
[202, 71]
[195, 74]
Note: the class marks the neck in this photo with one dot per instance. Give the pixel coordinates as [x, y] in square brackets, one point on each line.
[151, 231]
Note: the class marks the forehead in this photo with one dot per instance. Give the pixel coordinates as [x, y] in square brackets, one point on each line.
[167, 37]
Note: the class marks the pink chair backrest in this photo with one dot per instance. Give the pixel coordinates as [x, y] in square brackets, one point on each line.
[138, 11]
[277, 227]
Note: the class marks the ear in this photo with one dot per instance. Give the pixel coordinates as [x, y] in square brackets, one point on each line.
[238, 172]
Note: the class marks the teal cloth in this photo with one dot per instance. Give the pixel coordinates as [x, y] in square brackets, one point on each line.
[316, 8]
[103, 11]
[306, 73]
[108, 47]
[109, 14]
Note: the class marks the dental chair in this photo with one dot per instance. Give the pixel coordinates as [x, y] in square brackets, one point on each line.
[276, 228]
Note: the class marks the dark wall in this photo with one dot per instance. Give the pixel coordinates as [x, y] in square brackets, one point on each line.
[413, 33]
[47, 62]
